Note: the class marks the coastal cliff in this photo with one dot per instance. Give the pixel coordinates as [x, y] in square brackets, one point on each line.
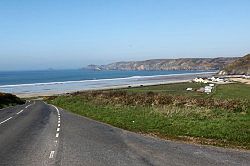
[239, 67]
[168, 64]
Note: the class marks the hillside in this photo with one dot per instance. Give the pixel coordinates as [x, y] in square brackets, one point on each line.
[168, 64]
[240, 66]
[7, 99]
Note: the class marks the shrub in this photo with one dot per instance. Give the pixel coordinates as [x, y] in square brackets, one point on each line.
[157, 99]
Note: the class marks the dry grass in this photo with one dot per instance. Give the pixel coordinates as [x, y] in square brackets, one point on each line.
[242, 80]
[157, 99]
[171, 111]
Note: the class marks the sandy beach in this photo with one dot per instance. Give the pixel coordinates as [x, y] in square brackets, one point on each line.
[55, 93]
[242, 80]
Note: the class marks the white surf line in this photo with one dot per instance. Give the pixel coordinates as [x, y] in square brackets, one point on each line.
[107, 79]
[58, 129]
[5, 120]
[19, 112]
[57, 135]
[51, 154]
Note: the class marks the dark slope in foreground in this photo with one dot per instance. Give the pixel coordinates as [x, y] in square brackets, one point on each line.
[7, 99]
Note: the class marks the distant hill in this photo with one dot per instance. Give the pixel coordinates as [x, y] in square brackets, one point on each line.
[7, 99]
[238, 67]
[168, 64]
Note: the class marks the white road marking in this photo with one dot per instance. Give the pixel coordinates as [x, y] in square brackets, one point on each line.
[56, 109]
[58, 129]
[51, 154]
[19, 112]
[5, 120]
[28, 106]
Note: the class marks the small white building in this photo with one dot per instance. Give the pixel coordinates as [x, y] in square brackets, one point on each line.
[217, 79]
[200, 80]
[213, 79]
[212, 85]
[220, 80]
[246, 76]
[208, 89]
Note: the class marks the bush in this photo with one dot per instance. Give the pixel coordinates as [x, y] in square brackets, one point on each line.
[7, 99]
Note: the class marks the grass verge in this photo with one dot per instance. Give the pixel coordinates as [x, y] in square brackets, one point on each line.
[194, 123]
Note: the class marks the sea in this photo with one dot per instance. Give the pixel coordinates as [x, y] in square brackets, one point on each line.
[62, 81]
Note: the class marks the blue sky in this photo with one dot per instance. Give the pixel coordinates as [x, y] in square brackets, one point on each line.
[73, 33]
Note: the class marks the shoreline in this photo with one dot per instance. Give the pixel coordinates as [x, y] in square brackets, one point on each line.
[51, 89]
[30, 95]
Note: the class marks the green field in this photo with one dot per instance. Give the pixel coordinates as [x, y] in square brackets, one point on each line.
[140, 110]
[226, 91]
[232, 91]
[172, 89]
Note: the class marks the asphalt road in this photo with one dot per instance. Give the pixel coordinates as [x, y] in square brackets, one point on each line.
[40, 134]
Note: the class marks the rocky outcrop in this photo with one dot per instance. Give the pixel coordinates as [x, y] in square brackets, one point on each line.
[239, 67]
[93, 67]
[168, 64]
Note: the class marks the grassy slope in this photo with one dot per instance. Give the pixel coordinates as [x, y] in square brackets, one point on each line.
[208, 126]
[232, 91]
[226, 91]
[172, 89]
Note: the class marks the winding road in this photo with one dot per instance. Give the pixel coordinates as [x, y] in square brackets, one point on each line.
[40, 134]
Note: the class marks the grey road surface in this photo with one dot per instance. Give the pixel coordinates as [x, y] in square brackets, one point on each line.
[40, 134]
